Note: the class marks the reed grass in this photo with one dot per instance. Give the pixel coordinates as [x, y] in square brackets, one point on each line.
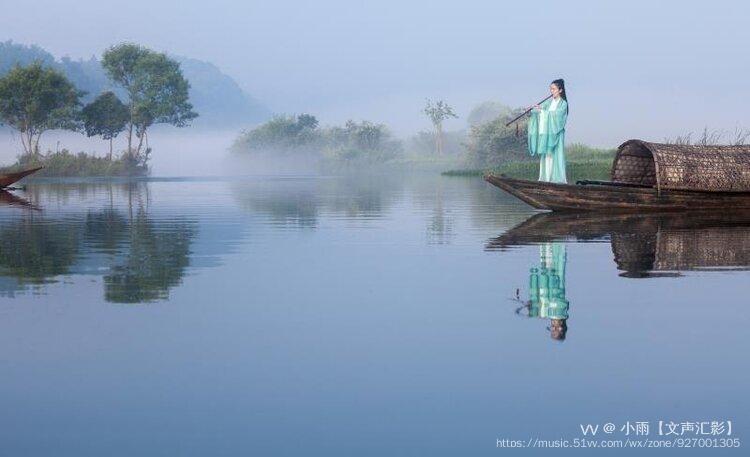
[583, 162]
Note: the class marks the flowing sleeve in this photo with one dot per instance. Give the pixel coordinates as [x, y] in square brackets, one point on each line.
[533, 133]
[557, 119]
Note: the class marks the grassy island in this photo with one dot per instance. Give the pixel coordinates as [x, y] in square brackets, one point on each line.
[67, 164]
[37, 98]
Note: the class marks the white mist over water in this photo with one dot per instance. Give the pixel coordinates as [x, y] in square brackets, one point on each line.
[179, 152]
[185, 152]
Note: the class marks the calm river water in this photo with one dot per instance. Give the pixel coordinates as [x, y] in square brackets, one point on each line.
[360, 315]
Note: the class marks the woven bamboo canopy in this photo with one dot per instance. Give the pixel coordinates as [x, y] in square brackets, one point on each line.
[683, 167]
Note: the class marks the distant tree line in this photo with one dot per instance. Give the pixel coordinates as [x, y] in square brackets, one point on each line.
[486, 142]
[36, 98]
[301, 134]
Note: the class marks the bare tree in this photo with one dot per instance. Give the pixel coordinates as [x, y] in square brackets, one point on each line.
[438, 112]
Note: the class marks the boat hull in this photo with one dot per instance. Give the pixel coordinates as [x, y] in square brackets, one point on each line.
[615, 198]
[11, 178]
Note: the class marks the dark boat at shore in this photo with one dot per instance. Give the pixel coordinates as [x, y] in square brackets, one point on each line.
[8, 179]
[649, 177]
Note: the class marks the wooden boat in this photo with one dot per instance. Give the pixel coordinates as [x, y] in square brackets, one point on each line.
[646, 245]
[11, 178]
[649, 177]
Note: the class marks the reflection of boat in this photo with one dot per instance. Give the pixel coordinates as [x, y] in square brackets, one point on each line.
[6, 198]
[647, 243]
[9, 178]
[649, 177]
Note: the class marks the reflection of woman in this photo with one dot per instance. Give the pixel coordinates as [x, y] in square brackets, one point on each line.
[546, 134]
[547, 289]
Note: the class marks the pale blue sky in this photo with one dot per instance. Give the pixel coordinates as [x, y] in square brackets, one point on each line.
[645, 69]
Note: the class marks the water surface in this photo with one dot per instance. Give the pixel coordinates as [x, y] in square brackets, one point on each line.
[355, 315]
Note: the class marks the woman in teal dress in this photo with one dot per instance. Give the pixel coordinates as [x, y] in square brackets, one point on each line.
[547, 134]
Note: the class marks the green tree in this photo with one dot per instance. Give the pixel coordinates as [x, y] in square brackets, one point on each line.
[438, 113]
[105, 116]
[282, 134]
[34, 99]
[157, 91]
[493, 143]
[362, 140]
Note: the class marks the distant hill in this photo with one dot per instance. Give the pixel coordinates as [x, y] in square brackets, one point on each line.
[216, 97]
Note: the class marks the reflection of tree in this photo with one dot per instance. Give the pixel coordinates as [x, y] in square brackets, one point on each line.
[440, 226]
[33, 250]
[155, 259]
[300, 201]
[144, 257]
[106, 230]
[358, 195]
[286, 202]
[436, 199]
[298, 209]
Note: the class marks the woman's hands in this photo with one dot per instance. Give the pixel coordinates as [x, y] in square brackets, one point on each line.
[535, 108]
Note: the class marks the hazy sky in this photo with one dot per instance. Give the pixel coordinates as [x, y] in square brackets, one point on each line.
[644, 69]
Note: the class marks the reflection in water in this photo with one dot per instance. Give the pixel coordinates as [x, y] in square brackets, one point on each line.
[140, 259]
[267, 319]
[133, 237]
[154, 260]
[646, 245]
[643, 246]
[547, 289]
[440, 226]
[301, 201]
[33, 251]
[9, 199]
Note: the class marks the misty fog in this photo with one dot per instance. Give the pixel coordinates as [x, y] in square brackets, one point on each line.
[634, 70]
[177, 152]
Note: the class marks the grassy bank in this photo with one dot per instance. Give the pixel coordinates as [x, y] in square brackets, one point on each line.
[66, 164]
[583, 162]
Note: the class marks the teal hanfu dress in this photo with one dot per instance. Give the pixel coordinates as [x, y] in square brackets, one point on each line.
[547, 139]
[547, 283]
